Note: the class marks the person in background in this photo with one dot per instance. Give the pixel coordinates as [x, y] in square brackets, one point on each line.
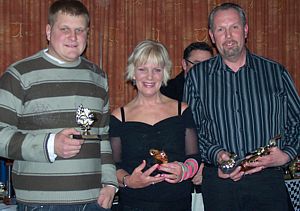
[194, 53]
[153, 138]
[39, 98]
[239, 102]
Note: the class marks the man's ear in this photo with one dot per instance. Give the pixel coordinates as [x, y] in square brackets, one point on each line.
[246, 28]
[211, 34]
[48, 32]
[184, 65]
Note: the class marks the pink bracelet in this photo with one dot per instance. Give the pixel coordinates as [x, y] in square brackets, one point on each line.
[189, 168]
[192, 166]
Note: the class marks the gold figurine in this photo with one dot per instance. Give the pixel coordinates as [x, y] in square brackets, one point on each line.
[160, 157]
[228, 166]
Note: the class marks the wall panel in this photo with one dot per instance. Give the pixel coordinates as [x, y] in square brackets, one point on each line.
[118, 25]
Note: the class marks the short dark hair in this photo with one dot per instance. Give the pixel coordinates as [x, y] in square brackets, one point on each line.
[70, 7]
[226, 6]
[203, 46]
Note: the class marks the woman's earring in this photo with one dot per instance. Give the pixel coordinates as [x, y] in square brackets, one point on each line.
[133, 82]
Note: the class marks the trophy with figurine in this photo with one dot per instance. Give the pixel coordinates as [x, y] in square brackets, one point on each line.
[85, 118]
[230, 165]
[159, 156]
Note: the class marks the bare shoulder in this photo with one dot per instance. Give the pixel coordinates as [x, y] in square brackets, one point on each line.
[183, 106]
[116, 113]
[174, 104]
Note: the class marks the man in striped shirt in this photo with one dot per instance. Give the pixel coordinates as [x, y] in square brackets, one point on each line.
[39, 97]
[239, 102]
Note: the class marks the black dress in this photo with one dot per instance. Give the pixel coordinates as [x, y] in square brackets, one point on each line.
[131, 142]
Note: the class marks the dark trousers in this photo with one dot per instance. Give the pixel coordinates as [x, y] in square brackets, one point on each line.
[183, 204]
[261, 191]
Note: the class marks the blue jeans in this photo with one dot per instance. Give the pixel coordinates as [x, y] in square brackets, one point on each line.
[74, 207]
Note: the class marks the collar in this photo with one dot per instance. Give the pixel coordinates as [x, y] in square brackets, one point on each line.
[52, 57]
[217, 63]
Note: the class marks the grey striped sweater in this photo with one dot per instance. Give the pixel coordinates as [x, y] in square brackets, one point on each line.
[39, 96]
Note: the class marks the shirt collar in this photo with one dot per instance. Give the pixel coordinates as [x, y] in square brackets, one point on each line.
[217, 63]
[53, 58]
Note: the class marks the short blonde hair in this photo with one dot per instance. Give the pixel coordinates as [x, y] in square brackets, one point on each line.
[149, 51]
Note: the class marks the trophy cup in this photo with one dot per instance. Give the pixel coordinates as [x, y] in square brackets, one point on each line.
[85, 119]
[230, 165]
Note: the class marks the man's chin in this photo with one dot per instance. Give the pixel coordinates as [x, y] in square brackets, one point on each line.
[231, 53]
[72, 57]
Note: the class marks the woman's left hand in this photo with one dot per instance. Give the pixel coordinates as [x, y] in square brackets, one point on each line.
[197, 180]
[173, 172]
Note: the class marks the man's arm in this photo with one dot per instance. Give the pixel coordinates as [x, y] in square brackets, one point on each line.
[292, 128]
[17, 144]
[108, 177]
[208, 149]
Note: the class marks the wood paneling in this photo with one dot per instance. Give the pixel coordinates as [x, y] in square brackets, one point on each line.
[118, 25]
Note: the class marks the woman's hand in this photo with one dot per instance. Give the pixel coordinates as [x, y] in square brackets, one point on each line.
[197, 180]
[173, 172]
[140, 179]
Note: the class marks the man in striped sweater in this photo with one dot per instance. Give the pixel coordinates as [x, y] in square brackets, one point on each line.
[39, 97]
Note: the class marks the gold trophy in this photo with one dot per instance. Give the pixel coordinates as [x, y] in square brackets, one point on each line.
[230, 165]
[159, 157]
[85, 118]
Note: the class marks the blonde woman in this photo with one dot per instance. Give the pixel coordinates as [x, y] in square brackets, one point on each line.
[153, 124]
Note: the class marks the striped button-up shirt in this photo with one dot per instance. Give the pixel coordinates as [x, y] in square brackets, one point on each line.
[240, 111]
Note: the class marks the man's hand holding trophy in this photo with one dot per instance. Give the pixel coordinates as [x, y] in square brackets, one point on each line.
[85, 118]
[233, 162]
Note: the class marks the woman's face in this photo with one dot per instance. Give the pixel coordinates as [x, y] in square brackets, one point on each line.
[149, 78]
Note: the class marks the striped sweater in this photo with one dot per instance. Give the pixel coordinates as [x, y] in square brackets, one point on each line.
[39, 96]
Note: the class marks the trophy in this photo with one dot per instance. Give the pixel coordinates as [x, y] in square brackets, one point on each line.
[85, 119]
[159, 157]
[230, 165]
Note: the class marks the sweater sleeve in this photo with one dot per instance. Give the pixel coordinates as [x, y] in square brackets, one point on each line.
[107, 163]
[16, 144]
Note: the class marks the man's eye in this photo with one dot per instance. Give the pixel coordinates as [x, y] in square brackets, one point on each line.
[79, 31]
[64, 29]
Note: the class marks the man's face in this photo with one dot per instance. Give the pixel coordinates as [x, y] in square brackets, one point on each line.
[195, 57]
[67, 37]
[229, 34]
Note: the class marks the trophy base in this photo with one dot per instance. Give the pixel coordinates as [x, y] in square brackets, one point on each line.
[87, 137]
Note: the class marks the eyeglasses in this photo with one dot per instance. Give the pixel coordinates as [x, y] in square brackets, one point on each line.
[191, 62]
